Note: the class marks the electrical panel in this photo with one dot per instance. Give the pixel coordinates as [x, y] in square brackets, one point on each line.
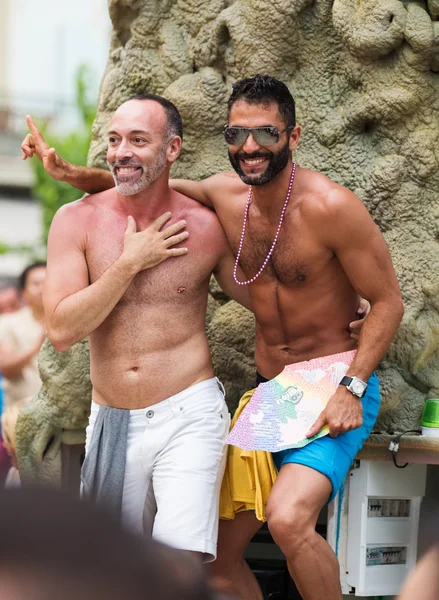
[373, 527]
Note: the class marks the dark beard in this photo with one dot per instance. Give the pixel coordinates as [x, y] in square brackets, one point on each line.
[276, 164]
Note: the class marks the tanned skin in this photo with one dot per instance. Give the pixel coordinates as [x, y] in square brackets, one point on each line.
[132, 273]
[329, 253]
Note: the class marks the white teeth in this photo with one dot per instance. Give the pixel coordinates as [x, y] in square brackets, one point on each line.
[255, 161]
[123, 170]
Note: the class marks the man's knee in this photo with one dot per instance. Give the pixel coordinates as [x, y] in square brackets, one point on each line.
[290, 523]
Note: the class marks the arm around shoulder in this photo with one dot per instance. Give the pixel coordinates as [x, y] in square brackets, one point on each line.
[197, 190]
[208, 191]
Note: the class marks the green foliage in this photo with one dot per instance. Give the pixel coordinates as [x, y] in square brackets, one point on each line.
[72, 147]
[31, 252]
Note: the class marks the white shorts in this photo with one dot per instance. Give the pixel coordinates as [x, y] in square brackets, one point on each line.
[174, 467]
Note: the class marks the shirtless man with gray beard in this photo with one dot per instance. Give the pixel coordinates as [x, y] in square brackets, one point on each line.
[130, 269]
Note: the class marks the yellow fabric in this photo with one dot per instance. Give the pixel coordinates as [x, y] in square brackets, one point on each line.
[248, 478]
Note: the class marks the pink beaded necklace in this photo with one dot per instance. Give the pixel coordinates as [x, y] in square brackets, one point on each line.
[249, 200]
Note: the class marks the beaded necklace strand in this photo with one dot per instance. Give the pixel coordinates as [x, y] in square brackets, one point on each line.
[249, 200]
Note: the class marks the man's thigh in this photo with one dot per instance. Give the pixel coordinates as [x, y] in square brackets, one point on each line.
[187, 479]
[332, 457]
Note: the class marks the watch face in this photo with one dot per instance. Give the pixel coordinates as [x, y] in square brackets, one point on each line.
[357, 387]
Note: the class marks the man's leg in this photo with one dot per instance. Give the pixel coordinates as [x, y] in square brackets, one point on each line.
[188, 469]
[230, 573]
[293, 507]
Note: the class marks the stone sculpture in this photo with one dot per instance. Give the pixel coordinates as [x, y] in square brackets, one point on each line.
[55, 415]
[366, 81]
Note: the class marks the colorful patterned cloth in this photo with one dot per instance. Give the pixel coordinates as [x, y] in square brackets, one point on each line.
[282, 410]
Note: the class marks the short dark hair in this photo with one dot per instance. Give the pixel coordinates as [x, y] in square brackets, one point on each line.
[175, 123]
[264, 89]
[22, 280]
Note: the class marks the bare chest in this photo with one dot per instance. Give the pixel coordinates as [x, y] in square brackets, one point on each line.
[179, 279]
[295, 259]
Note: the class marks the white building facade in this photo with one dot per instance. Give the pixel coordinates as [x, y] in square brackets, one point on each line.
[42, 44]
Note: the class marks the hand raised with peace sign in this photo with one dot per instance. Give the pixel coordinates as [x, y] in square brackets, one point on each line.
[35, 145]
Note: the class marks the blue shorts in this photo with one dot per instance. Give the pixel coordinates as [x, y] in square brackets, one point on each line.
[334, 456]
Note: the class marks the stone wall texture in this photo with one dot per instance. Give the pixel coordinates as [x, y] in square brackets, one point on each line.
[365, 76]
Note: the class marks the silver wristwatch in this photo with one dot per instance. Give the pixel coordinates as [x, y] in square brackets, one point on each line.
[355, 385]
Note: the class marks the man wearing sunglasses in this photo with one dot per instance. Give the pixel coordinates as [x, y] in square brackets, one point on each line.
[307, 248]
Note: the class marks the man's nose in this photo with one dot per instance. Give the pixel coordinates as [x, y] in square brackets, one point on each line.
[250, 145]
[123, 151]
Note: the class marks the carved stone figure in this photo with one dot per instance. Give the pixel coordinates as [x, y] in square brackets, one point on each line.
[57, 414]
[365, 77]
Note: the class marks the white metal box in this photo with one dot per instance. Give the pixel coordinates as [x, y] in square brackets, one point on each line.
[374, 527]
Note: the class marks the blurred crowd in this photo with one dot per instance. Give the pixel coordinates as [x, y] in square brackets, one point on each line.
[22, 332]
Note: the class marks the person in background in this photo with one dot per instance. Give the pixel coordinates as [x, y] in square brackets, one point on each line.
[9, 303]
[9, 300]
[8, 424]
[423, 582]
[21, 335]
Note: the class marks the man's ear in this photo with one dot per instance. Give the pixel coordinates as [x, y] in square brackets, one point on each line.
[295, 137]
[173, 149]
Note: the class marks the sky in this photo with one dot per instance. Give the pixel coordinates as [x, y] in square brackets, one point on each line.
[42, 43]
[46, 41]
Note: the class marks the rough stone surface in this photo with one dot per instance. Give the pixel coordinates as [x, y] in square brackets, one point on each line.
[365, 76]
[366, 79]
[62, 404]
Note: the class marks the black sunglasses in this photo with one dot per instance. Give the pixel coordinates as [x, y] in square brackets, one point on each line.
[264, 136]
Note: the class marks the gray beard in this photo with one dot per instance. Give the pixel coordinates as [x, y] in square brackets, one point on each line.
[127, 188]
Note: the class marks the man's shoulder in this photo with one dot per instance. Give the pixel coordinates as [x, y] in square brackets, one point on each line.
[202, 223]
[81, 209]
[195, 212]
[324, 197]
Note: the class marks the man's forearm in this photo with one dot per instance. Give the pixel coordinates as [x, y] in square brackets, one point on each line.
[88, 179]
[376, 335]
[80, 314]
[193, 189]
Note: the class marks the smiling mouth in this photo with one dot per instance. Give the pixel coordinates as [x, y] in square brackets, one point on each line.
[126, 172]
[253, 162]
